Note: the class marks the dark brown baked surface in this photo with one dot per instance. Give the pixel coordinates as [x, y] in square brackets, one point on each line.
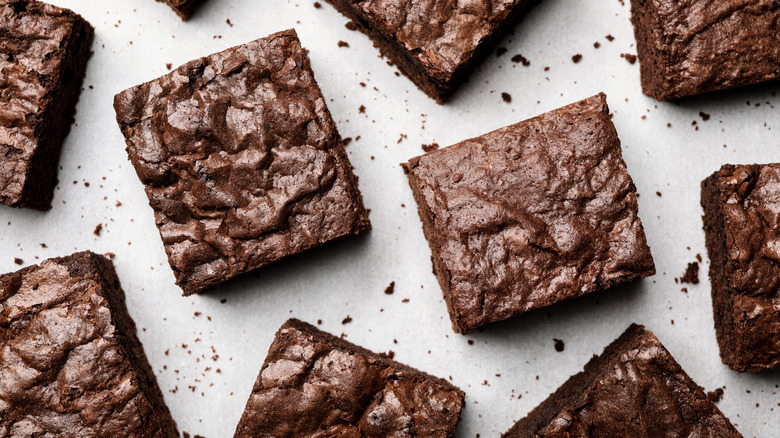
[530, 214]
[184, 8]
[241, 160]
[742, 228]
[43, 56]
[634, 389]
[71, 365]
[436, 43]
[688, 47]
[313, 384]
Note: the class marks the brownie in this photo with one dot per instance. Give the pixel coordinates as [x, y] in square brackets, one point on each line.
[689, 47]
[184, 8]
[241, 160]
[742, 232]
[71, 364]
[530, 214]
[634, 389]
[43, 57]
[313, 384]
[436, 43]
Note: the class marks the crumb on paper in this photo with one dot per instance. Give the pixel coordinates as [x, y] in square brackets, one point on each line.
[390, 289]
[430, 147]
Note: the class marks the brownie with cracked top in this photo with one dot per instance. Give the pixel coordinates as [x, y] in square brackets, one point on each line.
[241, 160]
[184, 8]
[531, 214]
[43, 57]
[71, 364]
[313, 384]
[436, 43]
[742, 229]
[688, 47]
[634, 389]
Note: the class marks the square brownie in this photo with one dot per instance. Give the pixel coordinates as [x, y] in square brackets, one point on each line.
[43, 57]
[313, 384]
[184, 8]
[634, 389]
[241, 160]
[689, 47]
[531, 214]
[742, 232]
[435, 43]
[71, 365]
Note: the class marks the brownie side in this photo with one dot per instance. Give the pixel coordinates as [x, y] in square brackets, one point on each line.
[635, 388]
[43, 56]
[71, 362]
[434, 44]
[314, 384]
[692, 46]
[255, 173]
[740, 228]
[183, 8]
[530, 215]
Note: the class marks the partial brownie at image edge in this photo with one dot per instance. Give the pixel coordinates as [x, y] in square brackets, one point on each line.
[183, 8]
[44, 51]
[249, 176]
[314, 384]
[65, 329]
[531, 214]
[741, 227]
[438, 54]
[634, 388]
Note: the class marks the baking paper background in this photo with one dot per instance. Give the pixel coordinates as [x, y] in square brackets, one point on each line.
[207, 354]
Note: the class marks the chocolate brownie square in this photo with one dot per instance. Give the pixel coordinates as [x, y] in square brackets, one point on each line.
[241, 160]
[696, 46]
[313, 384]
[43, 57]
[436, 43]
[742, 232]
[71, 365]
[531, 214]
[634, 389]
[184, 8]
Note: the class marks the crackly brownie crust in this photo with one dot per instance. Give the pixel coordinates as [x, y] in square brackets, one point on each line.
[241, 160]
[634, 389]
[71, 363]
[313, 384]
[688, 47]
[436, 43]
[530, 214]
[43, 57]
[743, 241]
[184, 8]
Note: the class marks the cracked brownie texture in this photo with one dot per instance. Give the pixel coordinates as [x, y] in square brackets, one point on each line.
[71, 364]
[530, 214]
[184, 8]
[43, 56]
[313, 384]
[688, 47]
[241, 160]
[742, 227]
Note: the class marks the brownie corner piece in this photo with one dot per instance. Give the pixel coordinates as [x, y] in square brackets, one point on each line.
[313, 384]
[44, 51]
[434, 43]
[241, 159]
[693, 47]
[71, 364]
[183, 8]
[741, 233]
[634, 388]
[530, 214]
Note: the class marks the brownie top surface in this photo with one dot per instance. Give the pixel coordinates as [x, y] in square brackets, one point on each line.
[63, 371]
[440, 34]
[32, 46]
[241, 160]
[533, 213]
[640, 390]
[315, 385]
[714, 44]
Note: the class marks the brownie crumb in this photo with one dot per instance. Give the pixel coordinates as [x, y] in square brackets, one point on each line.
[659, 194]
[629, 57]
[343, 44]
[559, 345]
[596, 44]
[98, 229]
[471, 342]
[347, 141]
[500, 51]
[229, 22]
[506, 97]
[390, 354]
[704, 116]
[317, 5]
[223, 301]
[346, 320]
[351, 25]
[168, 65]
[691, 275]
[362, 109]
[390, 289]
[521, 59]
[698, 258]
[576, 58]
[18, 261]
[610, 38]
[716, 395]
[430, 147]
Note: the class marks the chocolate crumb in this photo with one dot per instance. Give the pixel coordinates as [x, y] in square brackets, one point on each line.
[390, 288]
[576, 58]
[18, 261]
[704, 116]
[351, 25]
[716, 395]
[390, 354]
[500, 51]
[629, 57]
[362, 109]
[430, 147]
[698, 257]
[223, 301]
[317, 5]
[691, 274]
[471, 342]
[522, 59]
[405, 300]
[610, 38]
[343, 44]
[98, 229]
[506, 97]
[347, 141]
[168, 65]
[346, 320]
[559, 345]
[228, 22]
[596, 44]
[658, 194]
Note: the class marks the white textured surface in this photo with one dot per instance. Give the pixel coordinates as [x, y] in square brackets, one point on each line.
[136, 38]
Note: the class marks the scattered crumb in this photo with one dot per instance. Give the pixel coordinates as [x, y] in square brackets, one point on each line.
[18, 261]
[471, 342]
[576, 58]
[506, 97]
[430, 147]
[168, 65]
[110, 255]
[223, 301]
[317, 5]
[716, 395]
[559, 345]
[362, 109]
[522, 59]
[659, 194]
[596, 44]
[98, 229]
[691, 274]
[610, 38]
[390, 288]
[347, 141]
[229, 22]
[346, 320]
[343, 44]
[351, 25]
[704, 116]
[698, 258]
[629, 57]
[500, 51]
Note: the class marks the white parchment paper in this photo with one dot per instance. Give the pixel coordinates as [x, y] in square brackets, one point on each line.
[207, 352]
